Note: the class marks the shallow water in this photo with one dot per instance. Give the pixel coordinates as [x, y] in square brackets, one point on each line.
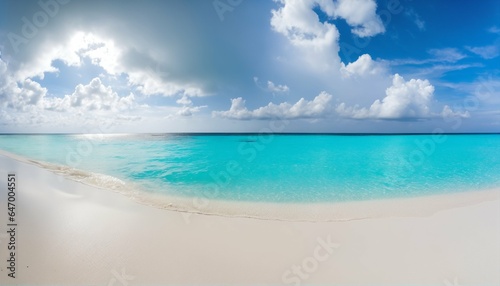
[274, 168]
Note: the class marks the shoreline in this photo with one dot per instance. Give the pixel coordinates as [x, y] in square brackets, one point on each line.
[327, 212]
[289, 211]
[72, 233]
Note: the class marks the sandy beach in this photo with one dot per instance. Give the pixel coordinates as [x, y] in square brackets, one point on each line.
[71, 233]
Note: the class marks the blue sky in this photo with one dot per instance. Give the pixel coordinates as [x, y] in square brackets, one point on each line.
[242, 66]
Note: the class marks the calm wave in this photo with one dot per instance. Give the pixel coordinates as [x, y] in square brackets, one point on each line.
[274, 168]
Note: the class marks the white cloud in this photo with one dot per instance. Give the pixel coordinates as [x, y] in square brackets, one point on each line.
[25, 103]
[184, 100]
[482, 92]
[128, 118]
[149, 83]
[486, 52]
[448, 113]
[487, 90]
[416, 19]
[70, 51]
[112, 59]
[300, 24]
[277, 88]
[297, 21]
[115, 60]
[320, 106]
[359, 14]
[187, 108]
[29, 93]
[494, 30]
[447, 55]
[99, 51]
[272, 87]
[18, 91]
[21, 95]
[420, 24]
[364, 65]
[4, 78]
[404, 100]
[94, 96]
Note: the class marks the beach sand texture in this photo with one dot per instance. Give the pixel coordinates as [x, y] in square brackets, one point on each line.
[70, 233]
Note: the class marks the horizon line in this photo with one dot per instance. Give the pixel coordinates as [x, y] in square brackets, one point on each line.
[257, 133]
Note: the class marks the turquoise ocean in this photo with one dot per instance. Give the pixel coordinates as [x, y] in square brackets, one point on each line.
[271, 167]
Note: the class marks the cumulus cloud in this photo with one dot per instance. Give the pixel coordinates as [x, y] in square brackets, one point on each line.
[320, 106]
[29, 93]
[145, 75]
[20, 95]
[364, 65]
[184, 100]
[93, 96]
[20, 92]
[5, 82]
[300, 24]
[449, 113]
[149, 83]
[187, 108]
[101, 52]
[272, 87]
[114, 61]
[25, 103]
[359, 14]
[277, 88]
[70, 51]
[404, 100]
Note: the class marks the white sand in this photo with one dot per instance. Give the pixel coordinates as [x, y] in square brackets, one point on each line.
[71, 233]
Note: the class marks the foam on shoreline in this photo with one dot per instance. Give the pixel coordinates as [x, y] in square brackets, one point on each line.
[312, 212]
